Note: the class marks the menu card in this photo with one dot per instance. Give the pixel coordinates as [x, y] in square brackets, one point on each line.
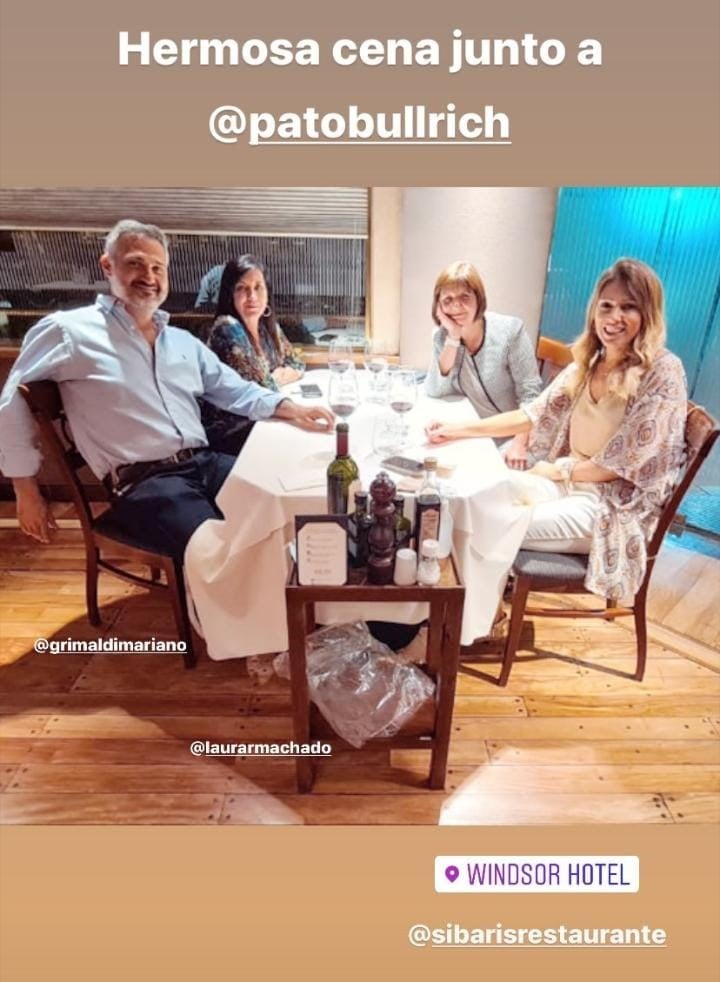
[322, 549]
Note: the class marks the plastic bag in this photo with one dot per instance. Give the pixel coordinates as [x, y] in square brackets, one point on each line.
[359, 685]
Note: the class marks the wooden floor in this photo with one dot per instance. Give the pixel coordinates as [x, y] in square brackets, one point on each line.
[105, 738]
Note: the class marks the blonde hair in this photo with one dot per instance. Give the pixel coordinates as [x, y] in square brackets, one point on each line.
[645, 289]
[460, 274]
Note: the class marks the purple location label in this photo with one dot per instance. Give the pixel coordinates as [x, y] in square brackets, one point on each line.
[452, 873]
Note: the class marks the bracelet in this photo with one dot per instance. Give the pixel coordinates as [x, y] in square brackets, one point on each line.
[451, 343]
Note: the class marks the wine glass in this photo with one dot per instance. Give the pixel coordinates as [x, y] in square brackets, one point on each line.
[376, 367]
[340, 355]
[386, 435]
[343, 393]
[403, 395]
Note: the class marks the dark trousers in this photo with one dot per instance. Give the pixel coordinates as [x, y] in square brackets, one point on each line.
[164, 509]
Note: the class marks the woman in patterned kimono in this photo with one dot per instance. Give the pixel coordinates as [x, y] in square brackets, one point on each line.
[248, 338]
[484, 356]
[608, 434]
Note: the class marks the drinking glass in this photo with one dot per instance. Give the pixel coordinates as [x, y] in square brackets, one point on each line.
[340, 357]
[343, 393]
[386, 435]
[376, 366]
[403, 395]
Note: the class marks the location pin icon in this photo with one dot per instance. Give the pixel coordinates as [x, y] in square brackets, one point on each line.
[452, 873]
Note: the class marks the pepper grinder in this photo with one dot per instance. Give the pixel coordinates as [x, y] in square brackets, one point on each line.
[381, 540]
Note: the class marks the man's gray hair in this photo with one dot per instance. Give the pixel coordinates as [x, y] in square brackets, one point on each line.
[128, 226]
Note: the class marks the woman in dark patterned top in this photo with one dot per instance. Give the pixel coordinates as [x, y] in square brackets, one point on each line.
[246, 334]
[248, 338]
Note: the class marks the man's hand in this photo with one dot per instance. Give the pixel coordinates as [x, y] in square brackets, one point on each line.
[314, 418]
[516, 456]
[36, 519]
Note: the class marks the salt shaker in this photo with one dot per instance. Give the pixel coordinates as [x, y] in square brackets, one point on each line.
[428, 572]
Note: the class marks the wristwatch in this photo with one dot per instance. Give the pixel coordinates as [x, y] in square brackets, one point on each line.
[565, 465]
[451, 342]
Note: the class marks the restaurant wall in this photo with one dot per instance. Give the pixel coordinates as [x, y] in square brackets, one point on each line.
[505, 232]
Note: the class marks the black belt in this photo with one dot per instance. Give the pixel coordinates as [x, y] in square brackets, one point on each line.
[125, 477]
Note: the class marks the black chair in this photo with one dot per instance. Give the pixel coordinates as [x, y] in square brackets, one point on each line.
[101, 533]
[554, 572]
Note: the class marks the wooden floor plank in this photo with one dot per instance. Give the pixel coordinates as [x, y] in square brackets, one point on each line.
[589, 686]
[254, 776]
[112, 723]
[554, 809]
[641, 704]
[24, 725]
[421, 809]
[579, 779]
[42, 808]
[538, 752]
[43, 673]
[694, 808]
[7, 774]
[583, 728]
[328, 809]
[17, 750]
[132, 704]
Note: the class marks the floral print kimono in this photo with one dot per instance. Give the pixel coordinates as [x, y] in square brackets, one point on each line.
[647, 452]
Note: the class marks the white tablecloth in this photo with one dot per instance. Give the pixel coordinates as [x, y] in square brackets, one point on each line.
[236, 568]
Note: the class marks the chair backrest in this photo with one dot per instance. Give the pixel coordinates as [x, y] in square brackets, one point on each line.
[552, 356]
[701, 432]
[45, 403]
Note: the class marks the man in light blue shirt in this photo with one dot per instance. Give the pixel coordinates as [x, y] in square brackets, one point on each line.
[129, 384]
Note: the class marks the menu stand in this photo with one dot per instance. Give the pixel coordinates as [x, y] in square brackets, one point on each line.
[443, 652]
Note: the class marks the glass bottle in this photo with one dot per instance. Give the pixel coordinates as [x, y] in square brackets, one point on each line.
[359, 530]
[341, 473]
[428, 571]
[403, 526]
[428, 505]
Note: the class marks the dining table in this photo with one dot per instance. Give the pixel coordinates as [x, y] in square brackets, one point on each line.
[236, 567]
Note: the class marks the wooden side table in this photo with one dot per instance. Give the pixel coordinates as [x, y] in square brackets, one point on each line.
[443, 652]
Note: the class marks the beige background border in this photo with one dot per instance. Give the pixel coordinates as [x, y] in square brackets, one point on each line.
[71, 115]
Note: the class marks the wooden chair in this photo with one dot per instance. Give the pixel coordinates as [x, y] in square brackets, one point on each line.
[101, 533]
[552, 356]
[554, 572]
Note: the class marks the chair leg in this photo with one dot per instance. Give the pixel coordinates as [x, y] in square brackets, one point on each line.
[176, 586]
[521, 588]
[640, 615]
[91, 585]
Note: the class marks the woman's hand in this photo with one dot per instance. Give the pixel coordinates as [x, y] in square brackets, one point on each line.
[284, 375]
[545, 469]
[438, 432]
[515, 454]
[454, 330]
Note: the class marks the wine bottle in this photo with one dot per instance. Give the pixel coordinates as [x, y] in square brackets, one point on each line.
[427, 505]
[340, 474]
[359, 530]
[403, 527]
